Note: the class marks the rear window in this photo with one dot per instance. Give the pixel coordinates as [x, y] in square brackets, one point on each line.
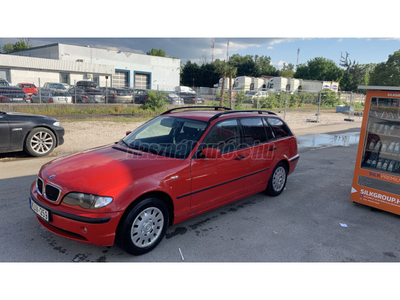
[64, 94]
[279, 127]
[123, 93]
[28, 86]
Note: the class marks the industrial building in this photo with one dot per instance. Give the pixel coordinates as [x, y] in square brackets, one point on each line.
[69, 64]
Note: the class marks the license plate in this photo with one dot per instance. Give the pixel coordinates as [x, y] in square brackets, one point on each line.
[40, 211]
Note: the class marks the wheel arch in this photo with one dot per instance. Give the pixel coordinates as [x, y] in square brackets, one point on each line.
[41, 126]
[154, 194]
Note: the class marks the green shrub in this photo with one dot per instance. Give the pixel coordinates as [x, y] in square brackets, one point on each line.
[155, 101]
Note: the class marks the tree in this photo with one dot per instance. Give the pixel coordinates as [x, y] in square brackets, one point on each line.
[319, 68]
[221, 68]
[190, 72]
[22, 44]
[231, 73]
[156, 52]
[387, 73]
[287, 70]
[253, 65]
[355, 74]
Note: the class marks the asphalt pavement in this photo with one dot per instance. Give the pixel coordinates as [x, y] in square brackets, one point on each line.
[313, 220]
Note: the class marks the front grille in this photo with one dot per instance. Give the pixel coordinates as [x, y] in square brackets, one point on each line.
[52, 193]
[39, 186]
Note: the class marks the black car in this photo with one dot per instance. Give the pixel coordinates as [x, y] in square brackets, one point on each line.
[139, 95]
[12, 94]
[82, 94]
[188, 98]
[36, 135]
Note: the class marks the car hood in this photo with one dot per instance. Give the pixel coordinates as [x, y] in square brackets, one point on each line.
[103, 169]
[29, 116]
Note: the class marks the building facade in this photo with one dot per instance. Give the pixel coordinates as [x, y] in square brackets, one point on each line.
[68, 64]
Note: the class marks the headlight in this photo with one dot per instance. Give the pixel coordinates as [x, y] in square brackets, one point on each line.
[87, 200]
[57, 124]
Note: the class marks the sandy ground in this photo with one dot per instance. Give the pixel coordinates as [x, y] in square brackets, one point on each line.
[82, 135]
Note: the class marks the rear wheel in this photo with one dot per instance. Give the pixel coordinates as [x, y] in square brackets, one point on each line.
[40, 142]
[277, 181]
[144, 226]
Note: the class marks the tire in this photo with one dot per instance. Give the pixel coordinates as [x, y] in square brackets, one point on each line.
[40, 142]
[144, 227]
[277, 181]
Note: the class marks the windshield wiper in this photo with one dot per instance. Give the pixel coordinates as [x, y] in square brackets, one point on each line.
[122, 140]
[145, 149]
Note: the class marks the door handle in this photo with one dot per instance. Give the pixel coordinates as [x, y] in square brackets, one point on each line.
[272, 149]
[240, 157]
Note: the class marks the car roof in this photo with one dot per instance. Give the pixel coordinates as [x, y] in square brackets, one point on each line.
[212, 113]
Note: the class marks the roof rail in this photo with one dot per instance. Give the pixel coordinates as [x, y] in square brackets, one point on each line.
[240, 111]
[191, 107]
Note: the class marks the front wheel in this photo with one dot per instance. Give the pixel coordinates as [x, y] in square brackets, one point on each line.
[144, 226]
[40, 142]
[277, 181]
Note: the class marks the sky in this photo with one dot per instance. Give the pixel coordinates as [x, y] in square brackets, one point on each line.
[289, 33]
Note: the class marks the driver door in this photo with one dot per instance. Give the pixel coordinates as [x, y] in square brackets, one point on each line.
[218, 180]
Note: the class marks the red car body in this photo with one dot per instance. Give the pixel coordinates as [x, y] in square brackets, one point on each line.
[28, 88]
[188, 186]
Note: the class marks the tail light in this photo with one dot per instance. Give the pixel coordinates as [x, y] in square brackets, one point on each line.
[51, 100]
[84, 97]
[3, 98]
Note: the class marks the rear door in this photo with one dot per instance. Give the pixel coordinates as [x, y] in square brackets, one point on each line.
[258, 139]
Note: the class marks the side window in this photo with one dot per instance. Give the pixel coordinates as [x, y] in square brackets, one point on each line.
[268, 129]
[224, 136]
[254, 132]
[279, 127]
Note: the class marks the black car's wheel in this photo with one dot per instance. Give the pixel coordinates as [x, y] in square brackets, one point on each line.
[144, 226]
[277, 181]
[40, 142]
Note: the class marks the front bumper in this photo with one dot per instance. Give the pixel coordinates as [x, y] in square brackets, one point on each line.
[95, 229]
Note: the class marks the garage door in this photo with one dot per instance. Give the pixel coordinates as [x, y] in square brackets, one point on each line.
[142, 81]
[120, 79]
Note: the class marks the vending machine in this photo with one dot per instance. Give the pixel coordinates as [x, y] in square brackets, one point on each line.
[376, 181]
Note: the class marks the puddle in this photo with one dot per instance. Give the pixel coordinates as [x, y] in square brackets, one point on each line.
[327, 140]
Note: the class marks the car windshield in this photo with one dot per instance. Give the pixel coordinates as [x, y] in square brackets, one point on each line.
[251, 93]
[56, 86]
[166, 136]
[3, 83]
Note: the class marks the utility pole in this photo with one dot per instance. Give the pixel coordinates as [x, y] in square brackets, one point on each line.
[227, 52]
[212, 52]
[298, 54]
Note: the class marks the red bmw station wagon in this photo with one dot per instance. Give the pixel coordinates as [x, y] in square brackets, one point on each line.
[178, 165]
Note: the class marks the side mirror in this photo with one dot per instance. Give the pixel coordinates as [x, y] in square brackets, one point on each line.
[128, 132]
[211, 153]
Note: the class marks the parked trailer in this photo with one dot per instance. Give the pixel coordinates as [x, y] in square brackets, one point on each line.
[278, 84]
[247, 83]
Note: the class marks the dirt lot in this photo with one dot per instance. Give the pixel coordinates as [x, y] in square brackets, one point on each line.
[85, 134]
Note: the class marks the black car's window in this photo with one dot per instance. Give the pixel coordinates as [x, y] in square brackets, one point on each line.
[224, 136]
[279, 127]
[254, 131]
